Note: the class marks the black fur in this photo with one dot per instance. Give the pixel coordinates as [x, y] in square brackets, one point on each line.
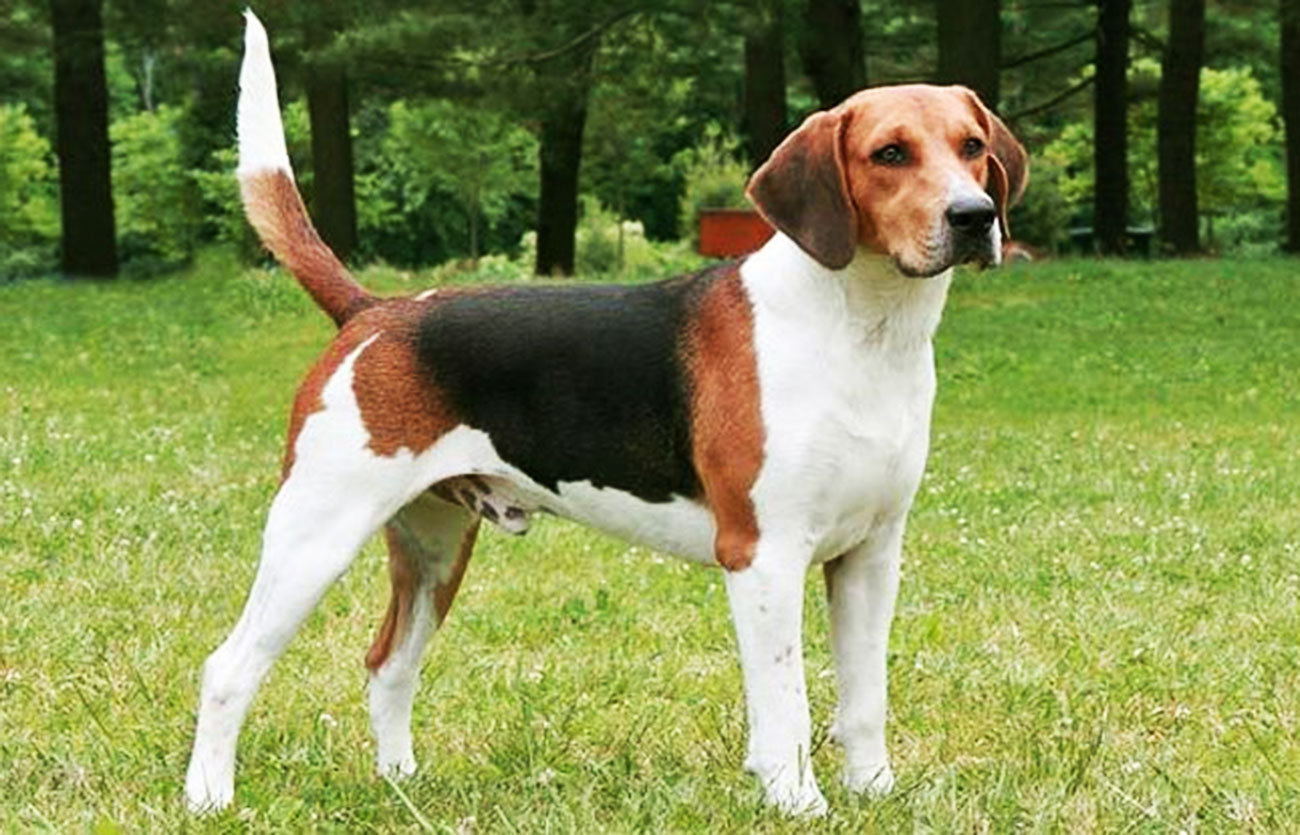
[573, 383]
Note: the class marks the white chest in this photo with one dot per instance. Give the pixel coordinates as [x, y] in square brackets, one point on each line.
[846, 372]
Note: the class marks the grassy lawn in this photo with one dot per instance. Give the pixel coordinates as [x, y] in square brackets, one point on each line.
[1098, 629]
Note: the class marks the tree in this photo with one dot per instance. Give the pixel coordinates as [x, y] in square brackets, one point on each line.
[564, 115]
[1180, 75]
[765, 111]
[970, 46]
[1110, 106]
[1238, 170]
[469, 150]
[81, 114]
[333, 199]
[832, 49]
[1290, 49]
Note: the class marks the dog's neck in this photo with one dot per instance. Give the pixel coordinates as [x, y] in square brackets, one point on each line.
[869, 301]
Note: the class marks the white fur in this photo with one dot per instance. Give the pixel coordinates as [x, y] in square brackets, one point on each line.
[846, 375]
[261, 134]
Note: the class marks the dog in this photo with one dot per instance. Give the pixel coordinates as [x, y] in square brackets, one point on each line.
[764, 416]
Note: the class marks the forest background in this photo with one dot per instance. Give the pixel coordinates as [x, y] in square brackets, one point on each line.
[564, 136]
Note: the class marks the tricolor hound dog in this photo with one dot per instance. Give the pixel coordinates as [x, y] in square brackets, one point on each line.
[765, 416]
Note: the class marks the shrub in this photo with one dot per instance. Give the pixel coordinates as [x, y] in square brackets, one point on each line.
[153, 195]
[458, 179]
[29, 222]
[714, 177]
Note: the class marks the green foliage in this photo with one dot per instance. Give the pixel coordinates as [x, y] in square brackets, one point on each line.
[644, 106]
[29, 221]
[610, 247]
[1239, 173]
[714, 177]
[218, 188]
[439, 147]
[153, 194]
[601, 239]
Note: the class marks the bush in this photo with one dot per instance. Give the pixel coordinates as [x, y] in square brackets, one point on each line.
[153, 194]
[597, 244]
[714, 175]
[601, 252]
[29, 221]
[456, 179]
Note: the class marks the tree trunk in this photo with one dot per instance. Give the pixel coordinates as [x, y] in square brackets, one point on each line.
[1180, 81]
[970, 46]
[1110, 141]
[1291, 115]
[765, 113]
[832, 49]
[333, 199]
[85, 162]
[560, 156]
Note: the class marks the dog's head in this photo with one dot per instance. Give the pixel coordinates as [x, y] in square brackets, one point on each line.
[922, 174]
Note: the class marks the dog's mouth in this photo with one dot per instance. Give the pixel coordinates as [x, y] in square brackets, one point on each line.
[980, 252]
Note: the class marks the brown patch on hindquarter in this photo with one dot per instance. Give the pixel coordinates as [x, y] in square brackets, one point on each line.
[400, 409]
[726, 421]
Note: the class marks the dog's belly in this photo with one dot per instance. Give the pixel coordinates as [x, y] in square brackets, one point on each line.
[681, 527]
[465, 468]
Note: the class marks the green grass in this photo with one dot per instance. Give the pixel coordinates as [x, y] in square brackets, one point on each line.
[1098, 630]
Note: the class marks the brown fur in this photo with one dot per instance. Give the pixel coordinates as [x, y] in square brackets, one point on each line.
[445, 592]
[275, 210]
[404, 576]
[399, 408]
[802, 191]
[726, 424]
[823, 181]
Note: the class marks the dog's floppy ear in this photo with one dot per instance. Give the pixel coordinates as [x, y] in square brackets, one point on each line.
[1008, 169]
[1011, 157]
[1008, 162]
[999, 188]
[803, 191]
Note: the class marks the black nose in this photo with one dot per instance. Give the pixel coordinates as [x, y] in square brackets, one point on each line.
[971, 217]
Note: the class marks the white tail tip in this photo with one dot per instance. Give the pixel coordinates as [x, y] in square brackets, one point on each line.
[261, 133]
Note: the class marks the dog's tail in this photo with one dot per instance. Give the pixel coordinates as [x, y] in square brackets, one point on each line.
[271, 198]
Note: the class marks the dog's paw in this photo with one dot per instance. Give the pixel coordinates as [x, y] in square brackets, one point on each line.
[792, 791]
[396, 766]
[804, 801]
[875, 780]
[204, 797]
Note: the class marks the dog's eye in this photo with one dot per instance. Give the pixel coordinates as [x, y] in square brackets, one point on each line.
[890, 155]
[972, 148]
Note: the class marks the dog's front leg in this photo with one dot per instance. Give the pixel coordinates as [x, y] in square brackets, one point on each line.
[862, 585]
[767, 609]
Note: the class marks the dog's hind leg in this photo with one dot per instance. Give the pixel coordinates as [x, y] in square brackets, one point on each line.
[312, 534]
[429, 545]
[336, 494]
